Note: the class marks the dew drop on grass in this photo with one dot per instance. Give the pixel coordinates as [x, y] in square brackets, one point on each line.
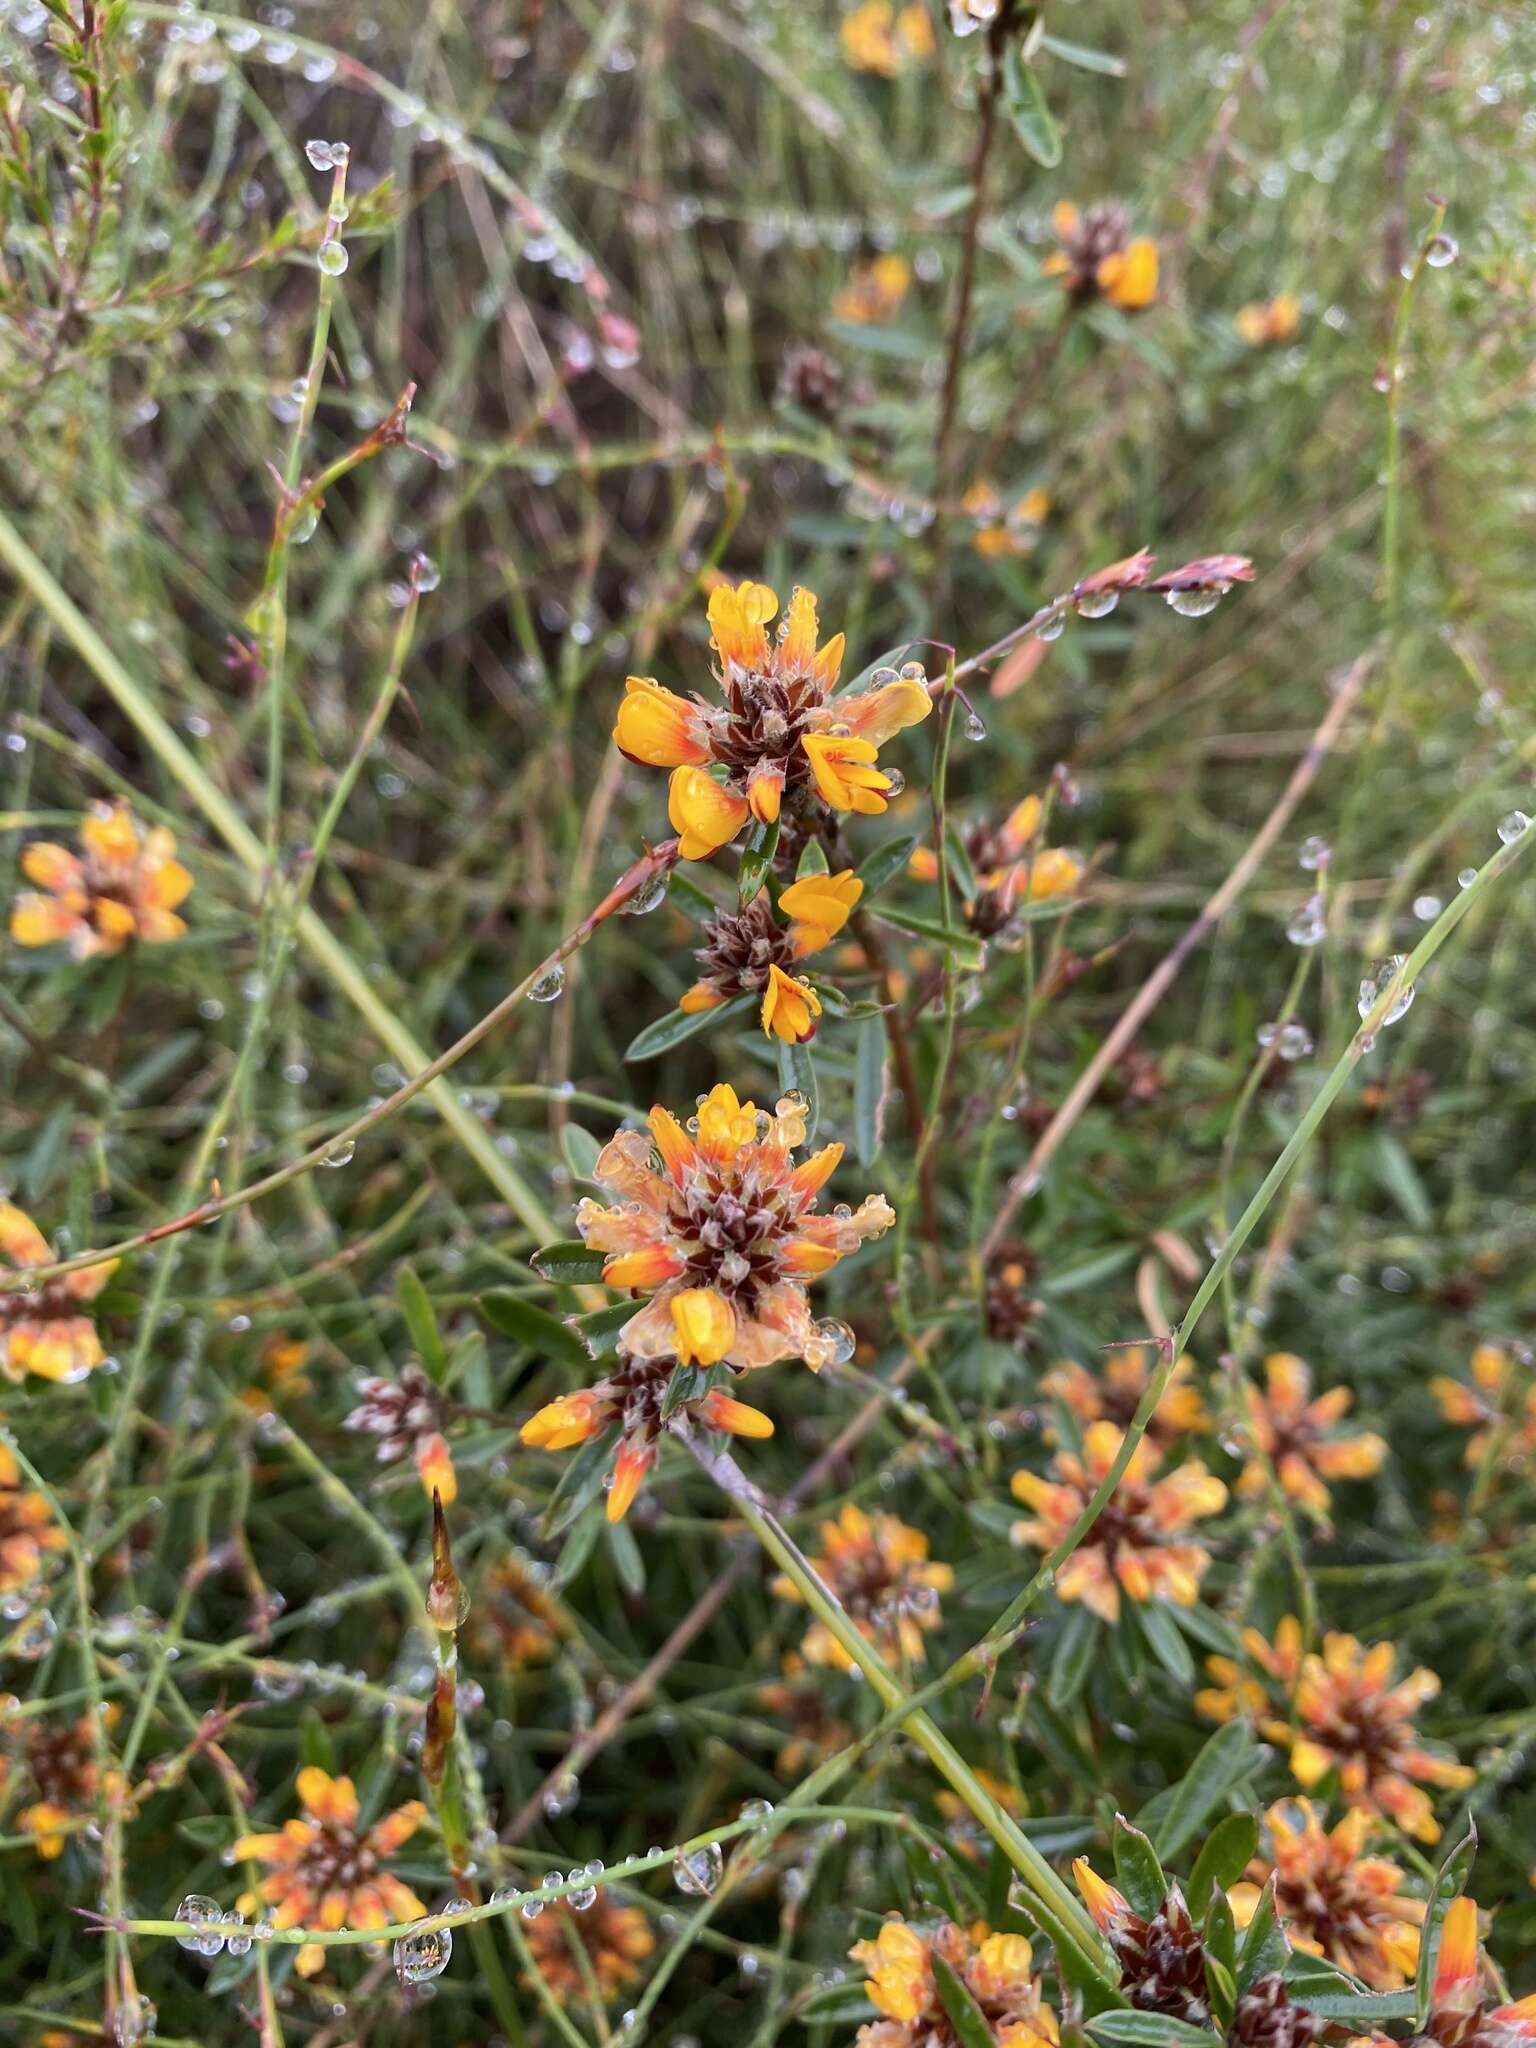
[425, 573]
[1051, 628]
[1440, 251]
[342, 1154]
[1314, 853]
[975, 727]
[134, 2021]
[1097, 604]
[1466, 878]
[756, 1809]
[1294, 1042]
[548, 986]
[646, 898]
[1512, 825]
[697, 1871]
[1193, 604]
[203, 1915]
[319, 154]
[420, 1957]
[1308, 927]
[1374, 986]
[332, 258]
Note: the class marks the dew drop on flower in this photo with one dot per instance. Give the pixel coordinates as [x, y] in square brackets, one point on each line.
[975, 726]
[881, 678]
[332, 258]
[895, 779]
[418, 1957]
[1441, 250]
[548, 986]
[1512, 825]
[840, 1337]
[697, 1871]
[1097, 604]
[203, 1914]
[1193, 604]
[646, 898]
[913, 672]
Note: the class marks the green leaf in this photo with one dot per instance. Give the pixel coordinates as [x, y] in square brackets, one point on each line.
[1148, 2030]
[1167, 1642]
[49, 1150]
[1450, 1883]
[536, 1327]
[797, 1071]
[1399, 1178]
[756, 860]
[1332, 1994]
[627, 1561]
[1024, 97]
[1076, 1648]
[1265, 1947]
[581, 1480]
[1137, 1869]
[1221, 1989]
[602, 1326]
[963, 947]
[1227, 1853]
[1084, 59]
[870, 1051]
[840, 2005]
[421, 1322]
[569, 1263]
[687, 1383]
[1204, 1785]
[1220, 1932]
[577, 1547]
[315, 1742]
[972, 2029]
[961, 871]
[679, 1025]
[686, 895]
[813, 860]
[580, 1149]
[884, 864]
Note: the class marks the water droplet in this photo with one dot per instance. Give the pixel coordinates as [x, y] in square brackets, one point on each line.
[756, 1809]
[425, 573]
[1266, 1034]
[913, 672]
[238, 1938]
[1294, 1043]
[1427, 908]
[342, 1154]
[1194, 604]
[882, 678]
[1375, 985]
[304, 525]
[1440, 250]
[1512, 825]
[418, 1957]
[332, 258]
[840, 1337]
[1309, 926]
[319, 154]
[698, 1871]
[205, 1916]
[1314, 854]
[1097, 604]
[896, 780]
[548, 986]
[1051, 627]
[975, 726]
[647, 897]
[134, 2021]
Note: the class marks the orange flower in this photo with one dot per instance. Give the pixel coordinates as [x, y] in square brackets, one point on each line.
[1003, 534]
[28, 1531]
[883, 39]
[874, 292]
[1294, 1434]
[798, 1706]
[1238, 1691]
[1265, 322]
[514, 1620]
[1099, 259]
[41, 1328]
[1334, 1901]
[780, 736]
[323, 1874]
[995, 1969]
[725, 1198]
[616, 1939]
[65, 1776]
[124, 884]
[881, 1572]
[1116, 1393]
[1500, 1404]
[1352, 1719]
[748, 952]
[1127, 1550]
[639, 1396]
[1008, 867]
[1459, 2016]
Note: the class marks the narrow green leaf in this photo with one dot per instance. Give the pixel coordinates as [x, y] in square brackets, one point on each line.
[1076, 1648]
[1149, 2030]
[963, 947]
[1137, 1869]
[678, 1025]
[1024, 97]
[535, 1327]
[756, 860]
[1084, 59]
[870, 1051]
[686, 895]
[577, 1548]
[580, 1149]
[1265, 1947]
[421, 1322]
[1227, 1853]
[1167, 1642]
[797, 1072]
[1450, 1883]
[570, 1262]
[1205, 1784]
[970, 2023]
[884, 864]
[1399, 1178]
[627, 1561]
[581, 1480]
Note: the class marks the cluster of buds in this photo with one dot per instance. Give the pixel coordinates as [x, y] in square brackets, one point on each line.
[1009, 866]
[406, 1415]
[1459, 2015]
[1161, 1955]
[751, 952]
[1099, 258]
